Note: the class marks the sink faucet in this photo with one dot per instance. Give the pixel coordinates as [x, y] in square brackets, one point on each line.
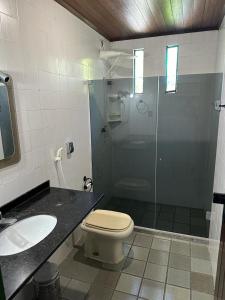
[6, 221]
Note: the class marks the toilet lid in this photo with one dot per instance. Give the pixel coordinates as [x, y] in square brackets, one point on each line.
[108, 220]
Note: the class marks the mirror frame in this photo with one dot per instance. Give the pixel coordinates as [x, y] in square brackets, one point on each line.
[15, 158]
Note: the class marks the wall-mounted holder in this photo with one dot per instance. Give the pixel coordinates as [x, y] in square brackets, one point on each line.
[219, 106]
[114, 109]
[69, 148]
[88, 184]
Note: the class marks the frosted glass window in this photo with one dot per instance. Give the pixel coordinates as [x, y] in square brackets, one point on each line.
[171, 68]
[138, 71]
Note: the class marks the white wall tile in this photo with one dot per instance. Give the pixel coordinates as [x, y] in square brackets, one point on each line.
[49, 53]
[8, 7]
[197, 53]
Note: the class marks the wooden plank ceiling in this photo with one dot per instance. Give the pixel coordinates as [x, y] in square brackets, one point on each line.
[126, 19]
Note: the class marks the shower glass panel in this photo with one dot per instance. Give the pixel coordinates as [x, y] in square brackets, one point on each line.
[123, 128]
[153, 154]
[100, 139]
[134, 151]
[186, 151]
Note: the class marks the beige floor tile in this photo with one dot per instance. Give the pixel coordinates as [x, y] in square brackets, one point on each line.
[79, 271]
[177, 293]
[91, 282]
[76, 290]
[126, 249]
[130, 238]
[201, 266]
[129, 284]
[201, 296]
[180, 247]
[98, 292]
[64, 281]
[202, 283]
[181, 262]
[152, 290]
[155, 272]
[163, 236]
[179, 278]
[158, 257]
[107, 278]
[134, 267]
[200, 251]
[143, 240]
[138, 253]
[122, 296]
[161, 244]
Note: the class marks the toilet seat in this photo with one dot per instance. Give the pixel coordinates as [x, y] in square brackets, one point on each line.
[107, 220]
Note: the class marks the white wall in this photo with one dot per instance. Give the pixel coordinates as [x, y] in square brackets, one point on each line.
[49, 53]
[219, 179]
[197, 53]
[219, 182]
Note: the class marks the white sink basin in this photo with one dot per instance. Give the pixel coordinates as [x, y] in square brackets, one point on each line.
[25, 234]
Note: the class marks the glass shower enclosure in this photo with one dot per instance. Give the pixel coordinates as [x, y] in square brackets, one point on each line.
[153, 154]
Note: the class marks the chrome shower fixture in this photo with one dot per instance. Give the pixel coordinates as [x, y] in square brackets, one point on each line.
[4, 77]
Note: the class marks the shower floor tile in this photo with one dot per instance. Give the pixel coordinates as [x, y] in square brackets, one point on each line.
[157, 274]
[172, 218]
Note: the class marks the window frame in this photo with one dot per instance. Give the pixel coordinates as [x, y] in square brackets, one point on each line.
[167, 48]
[134, 72]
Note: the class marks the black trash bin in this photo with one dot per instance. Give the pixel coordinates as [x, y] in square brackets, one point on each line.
[47, 282]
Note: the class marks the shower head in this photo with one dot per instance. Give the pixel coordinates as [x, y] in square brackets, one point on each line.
[115, 54]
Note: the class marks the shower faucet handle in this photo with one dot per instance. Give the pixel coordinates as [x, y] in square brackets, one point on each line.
[7, 221]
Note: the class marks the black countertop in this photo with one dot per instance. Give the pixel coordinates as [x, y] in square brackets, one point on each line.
[219, 198]
[69, 206]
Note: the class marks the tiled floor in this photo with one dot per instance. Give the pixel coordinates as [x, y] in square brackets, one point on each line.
[156, 267]
[163, 217]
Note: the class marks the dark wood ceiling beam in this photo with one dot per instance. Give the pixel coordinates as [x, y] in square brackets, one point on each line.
[188, 9]
[146, 13]
[96, 14]
[126, 19]
[213, 14]
[198, 13]
[219, 13]
[167, 13]
[131, 15]
[115, 12]
[177, 10]
[157, 14]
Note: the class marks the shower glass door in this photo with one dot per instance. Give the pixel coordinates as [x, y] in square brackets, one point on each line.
[186, 151]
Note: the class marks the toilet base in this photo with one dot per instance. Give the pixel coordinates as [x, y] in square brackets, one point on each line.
[103, 249]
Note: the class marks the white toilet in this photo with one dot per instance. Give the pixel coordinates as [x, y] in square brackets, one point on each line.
[106, 230]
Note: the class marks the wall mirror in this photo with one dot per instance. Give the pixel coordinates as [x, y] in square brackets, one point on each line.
[9, 145]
